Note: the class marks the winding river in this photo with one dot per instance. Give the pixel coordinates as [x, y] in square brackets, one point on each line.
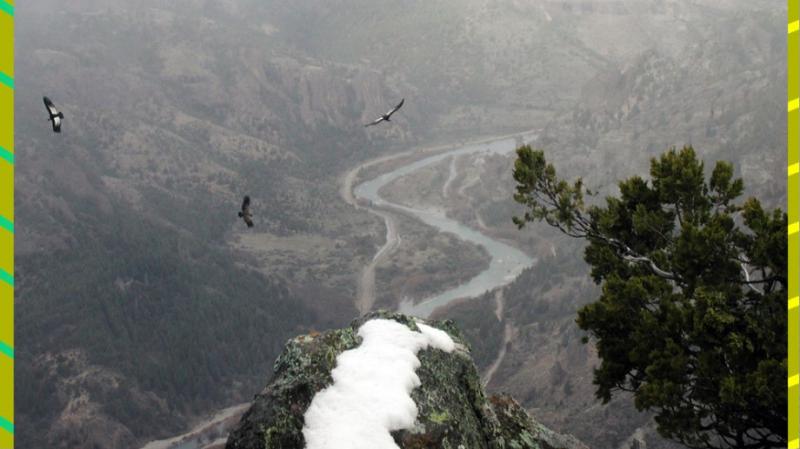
[506, 261]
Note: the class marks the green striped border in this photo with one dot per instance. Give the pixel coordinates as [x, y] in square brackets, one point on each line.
[7, 155]
[793, 188]
[6, 425]
[5, 79]
[7, 8]
[6, 224]
[6, 277]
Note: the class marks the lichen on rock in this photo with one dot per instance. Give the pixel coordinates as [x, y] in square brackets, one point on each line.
[452, 410]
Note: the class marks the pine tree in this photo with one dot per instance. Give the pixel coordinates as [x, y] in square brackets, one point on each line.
[692, 315]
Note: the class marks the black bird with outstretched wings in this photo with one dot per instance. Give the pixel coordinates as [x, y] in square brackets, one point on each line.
[245, 212]
[385, 117]
[55, 115]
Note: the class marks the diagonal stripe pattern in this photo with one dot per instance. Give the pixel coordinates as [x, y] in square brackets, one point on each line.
[6, 349]
[6, 224]
[7, 228]
[7, 155]
[793, 169]
[7, 8]
[6, 425]
[6, 277]
[7, 80]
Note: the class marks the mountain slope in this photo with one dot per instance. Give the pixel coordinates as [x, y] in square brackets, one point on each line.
[140, 296]
[135, 312]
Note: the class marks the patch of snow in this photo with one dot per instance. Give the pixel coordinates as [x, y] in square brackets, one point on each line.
[371, 391]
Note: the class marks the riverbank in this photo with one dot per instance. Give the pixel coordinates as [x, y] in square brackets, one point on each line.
[506, 261]
[365, 298]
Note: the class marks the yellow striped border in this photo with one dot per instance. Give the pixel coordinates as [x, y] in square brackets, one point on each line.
[7, 224]
[793, 187]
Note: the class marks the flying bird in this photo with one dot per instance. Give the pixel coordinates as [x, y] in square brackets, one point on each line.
[387, 115]
[245, 212]
[55, 116]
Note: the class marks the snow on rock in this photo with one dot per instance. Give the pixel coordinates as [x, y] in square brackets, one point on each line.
[350, 387]
[371, 391]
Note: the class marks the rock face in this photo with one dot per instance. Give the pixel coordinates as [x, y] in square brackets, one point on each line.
[453, 411]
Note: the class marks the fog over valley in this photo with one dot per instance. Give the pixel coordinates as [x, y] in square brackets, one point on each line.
[145, 306]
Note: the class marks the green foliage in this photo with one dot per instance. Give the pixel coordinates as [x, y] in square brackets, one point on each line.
[692, 315]
[482, 330]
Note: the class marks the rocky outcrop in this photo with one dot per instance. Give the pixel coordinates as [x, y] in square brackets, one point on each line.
[453, 411]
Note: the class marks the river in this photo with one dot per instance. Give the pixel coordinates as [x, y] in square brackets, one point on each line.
[506, 262]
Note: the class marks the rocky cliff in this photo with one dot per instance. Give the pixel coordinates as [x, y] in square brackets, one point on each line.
[452, 409]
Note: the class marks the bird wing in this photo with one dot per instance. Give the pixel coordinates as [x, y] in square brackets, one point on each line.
[248, 219]
[51, 109]
[57, 124]
[246, 203]
[399, 105]
[378, 120]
